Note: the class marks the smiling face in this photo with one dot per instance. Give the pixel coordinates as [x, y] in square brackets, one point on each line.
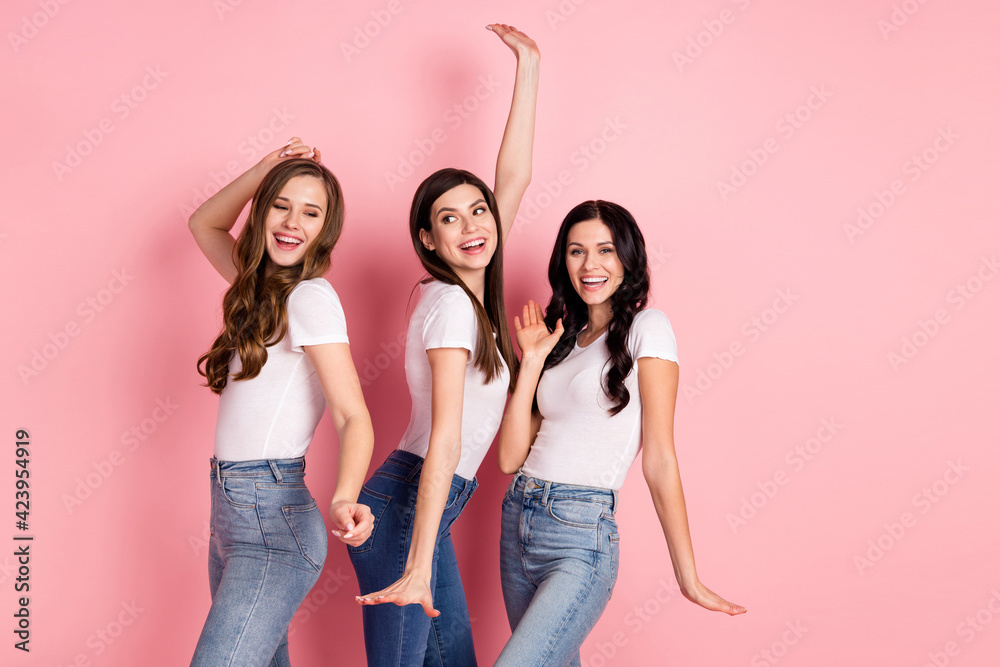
[295, 220]
[592, 262]
[463, 231]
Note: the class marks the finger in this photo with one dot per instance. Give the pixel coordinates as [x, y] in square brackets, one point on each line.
[559, 327]
[316, 157]
[430, 610]
[517, 324]
[539, 313]
[526, 315]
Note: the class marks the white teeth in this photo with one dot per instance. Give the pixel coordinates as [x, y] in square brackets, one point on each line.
[472, 244]
[593, 281]
[287, 239]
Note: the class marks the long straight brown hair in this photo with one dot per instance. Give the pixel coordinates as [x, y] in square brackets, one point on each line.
[491, 315]
[255, 307]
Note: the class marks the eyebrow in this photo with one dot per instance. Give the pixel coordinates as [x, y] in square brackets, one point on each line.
[610, 243]
[286, 199]
[446, 208]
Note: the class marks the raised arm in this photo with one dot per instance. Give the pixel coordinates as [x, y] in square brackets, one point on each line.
[337, 375]
[514, 159]
[212, 222]
[520, 423]
[658, 380]
[444, 451]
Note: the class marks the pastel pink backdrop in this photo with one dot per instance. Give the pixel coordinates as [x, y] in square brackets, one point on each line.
[839, 452]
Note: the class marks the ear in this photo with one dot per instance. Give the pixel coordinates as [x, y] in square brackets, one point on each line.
[427, 239]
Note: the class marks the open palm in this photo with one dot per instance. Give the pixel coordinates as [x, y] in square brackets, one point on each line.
[533, 337]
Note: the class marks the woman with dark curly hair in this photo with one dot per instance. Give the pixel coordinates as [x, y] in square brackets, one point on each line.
[598, 379]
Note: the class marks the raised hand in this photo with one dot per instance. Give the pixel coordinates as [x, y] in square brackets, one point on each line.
[533, 337]
[409, 589]
[352, 522]
[293, 149]
[522, 45]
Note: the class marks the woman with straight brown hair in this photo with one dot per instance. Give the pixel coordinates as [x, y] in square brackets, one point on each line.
[459, 363]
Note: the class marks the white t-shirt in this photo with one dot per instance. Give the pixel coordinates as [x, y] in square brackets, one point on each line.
[579, 442]
[274, 415]
[444, 317]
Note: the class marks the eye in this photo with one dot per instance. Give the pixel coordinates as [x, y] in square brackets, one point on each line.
[576, 251]
[312, 214]
[448, 218]
[280, 207]
[479, 210]
[606, 250]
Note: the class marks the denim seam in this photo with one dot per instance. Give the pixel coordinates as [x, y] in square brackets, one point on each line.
[568, 616]
[288, 509]
[250, 612]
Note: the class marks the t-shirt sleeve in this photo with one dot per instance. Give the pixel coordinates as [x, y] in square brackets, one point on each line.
[652, 336]
[451, 321]
[315, 315]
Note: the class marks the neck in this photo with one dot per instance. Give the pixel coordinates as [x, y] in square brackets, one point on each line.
[475, 281]
[598, 316]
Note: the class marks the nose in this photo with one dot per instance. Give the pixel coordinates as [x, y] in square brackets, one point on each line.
[468, 225]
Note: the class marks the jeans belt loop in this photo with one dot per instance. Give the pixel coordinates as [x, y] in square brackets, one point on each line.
[545, 493]
[614, 500]
[274, 470]
[415, 473]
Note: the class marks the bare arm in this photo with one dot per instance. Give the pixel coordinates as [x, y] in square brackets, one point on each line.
[339, 379]
[514, 159]
[212, 222]
[520, 423]
[443, 454]
[658, 380]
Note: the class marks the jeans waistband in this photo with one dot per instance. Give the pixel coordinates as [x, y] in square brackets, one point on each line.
[545, 489]
[409, 466]
[273, 468]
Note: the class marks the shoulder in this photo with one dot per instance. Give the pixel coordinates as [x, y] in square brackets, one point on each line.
[440, 297]
[314, 293]
[651, 320]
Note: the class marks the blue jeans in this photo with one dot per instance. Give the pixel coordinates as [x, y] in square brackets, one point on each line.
[405, 635]
[267, 550]
[558, 566]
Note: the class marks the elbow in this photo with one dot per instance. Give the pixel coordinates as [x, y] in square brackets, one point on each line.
[507, 467]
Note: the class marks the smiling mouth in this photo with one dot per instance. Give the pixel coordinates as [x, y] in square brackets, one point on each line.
[593, 282]
[287, 242]
[473, 245]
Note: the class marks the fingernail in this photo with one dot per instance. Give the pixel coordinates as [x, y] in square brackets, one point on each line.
[350, 526]
[289, 141]
[311, 153]
[336, 532]
[283, 153]
[349, 535]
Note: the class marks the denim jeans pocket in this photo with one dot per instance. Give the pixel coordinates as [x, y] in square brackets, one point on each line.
[576, 513]
[377, 503]
[309, 531]
[239, 492]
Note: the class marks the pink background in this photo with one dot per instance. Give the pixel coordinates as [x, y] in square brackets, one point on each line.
[840, 468]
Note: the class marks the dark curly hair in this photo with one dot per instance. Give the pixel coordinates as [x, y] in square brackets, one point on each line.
[630, 297]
